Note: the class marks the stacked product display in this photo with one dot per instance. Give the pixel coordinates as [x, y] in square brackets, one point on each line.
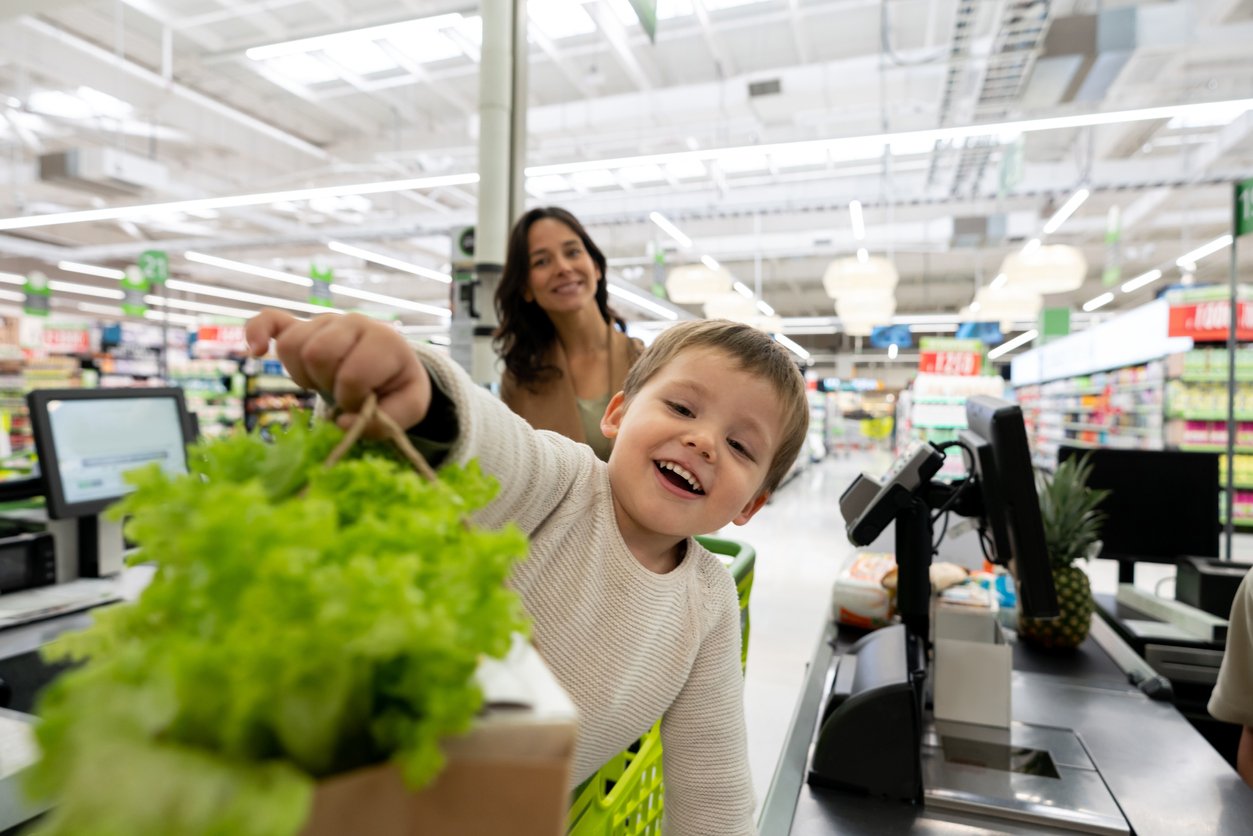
[1117, 408]
[270, 394]
[214, 390]
[934, 410]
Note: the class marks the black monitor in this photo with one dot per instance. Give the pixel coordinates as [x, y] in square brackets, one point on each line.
[87, 439]
[1163, 504]
[1011, 508]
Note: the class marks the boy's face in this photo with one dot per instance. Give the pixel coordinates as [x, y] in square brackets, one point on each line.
[693, 446]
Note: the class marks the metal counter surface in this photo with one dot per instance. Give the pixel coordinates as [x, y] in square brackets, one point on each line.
[1165, 777]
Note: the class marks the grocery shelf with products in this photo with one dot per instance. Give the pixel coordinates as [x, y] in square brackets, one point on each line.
[1120, 408]
[1102, 387]
[214, 390]
[270, 395]
[934, 410]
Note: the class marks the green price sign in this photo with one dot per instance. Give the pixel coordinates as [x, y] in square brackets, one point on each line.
[1244, 207]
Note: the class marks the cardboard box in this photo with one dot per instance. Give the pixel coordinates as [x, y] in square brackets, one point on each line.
[510, 774]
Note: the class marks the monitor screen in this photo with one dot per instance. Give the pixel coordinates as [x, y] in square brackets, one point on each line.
[1002, 465]
[1163, 504]
[88, 439]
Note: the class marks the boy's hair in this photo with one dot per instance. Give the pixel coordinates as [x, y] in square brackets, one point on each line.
[757, 354]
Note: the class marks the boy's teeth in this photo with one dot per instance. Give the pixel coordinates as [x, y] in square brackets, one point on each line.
[691, 480]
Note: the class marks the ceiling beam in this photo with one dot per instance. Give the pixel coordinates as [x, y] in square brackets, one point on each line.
[30, 41]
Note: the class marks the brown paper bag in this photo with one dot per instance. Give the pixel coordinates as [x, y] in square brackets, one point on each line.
[508, 776]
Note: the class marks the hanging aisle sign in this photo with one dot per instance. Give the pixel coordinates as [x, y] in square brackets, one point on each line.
[1244, 208]
[155, 265]
[38, 295]
[941, 355]
[320, 293]
[135, 287]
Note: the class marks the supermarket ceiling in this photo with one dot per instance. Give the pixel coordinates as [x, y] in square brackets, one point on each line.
[113, 103]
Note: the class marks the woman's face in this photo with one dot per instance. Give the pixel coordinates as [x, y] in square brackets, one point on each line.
[562, 276]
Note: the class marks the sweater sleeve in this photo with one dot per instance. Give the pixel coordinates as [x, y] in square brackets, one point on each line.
[1232, 699]
[709, 788]
[535, 468]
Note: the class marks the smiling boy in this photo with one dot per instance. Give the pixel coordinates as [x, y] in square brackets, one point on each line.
[635, 618]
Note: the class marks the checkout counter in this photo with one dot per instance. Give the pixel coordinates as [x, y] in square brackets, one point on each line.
[1090, 742]
[58, 556]
[1162, 775]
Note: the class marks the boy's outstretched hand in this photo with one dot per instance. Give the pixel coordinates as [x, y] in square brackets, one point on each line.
[345, 358]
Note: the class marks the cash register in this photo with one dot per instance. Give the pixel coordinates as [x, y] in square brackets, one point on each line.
[64, 556]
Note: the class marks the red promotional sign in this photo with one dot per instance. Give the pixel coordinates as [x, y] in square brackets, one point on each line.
[67, 340]
[966, 363]
[1211, 321]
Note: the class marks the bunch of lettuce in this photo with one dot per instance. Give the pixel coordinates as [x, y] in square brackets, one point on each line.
[303, 621]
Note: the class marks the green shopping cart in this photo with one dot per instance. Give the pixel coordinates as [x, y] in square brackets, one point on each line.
[625, 797]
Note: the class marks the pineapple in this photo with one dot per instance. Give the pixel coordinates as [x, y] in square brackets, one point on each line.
[1072, 528]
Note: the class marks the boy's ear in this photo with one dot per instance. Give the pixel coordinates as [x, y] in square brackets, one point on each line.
[754, 505]
[612, 419]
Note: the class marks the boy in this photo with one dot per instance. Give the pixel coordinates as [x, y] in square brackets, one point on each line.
[636, 620]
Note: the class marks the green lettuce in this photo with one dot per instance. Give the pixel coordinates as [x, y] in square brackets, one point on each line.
[302, 621]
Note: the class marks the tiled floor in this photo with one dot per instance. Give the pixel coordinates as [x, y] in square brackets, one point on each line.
[801, 546]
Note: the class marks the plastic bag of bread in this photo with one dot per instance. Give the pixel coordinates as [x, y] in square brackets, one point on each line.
[861, 597]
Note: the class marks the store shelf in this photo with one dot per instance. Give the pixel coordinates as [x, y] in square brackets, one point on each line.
[1214, 448]
[1208, 416]
[1242, 376]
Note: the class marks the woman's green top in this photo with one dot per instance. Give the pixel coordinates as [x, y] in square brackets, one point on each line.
[591, 410]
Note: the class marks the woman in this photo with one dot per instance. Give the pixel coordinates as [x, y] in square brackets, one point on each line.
[564, 357]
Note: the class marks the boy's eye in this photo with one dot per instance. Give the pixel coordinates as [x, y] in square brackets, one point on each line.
[740, 448]
[679, 409]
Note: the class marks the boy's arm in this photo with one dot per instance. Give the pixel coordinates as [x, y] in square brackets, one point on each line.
[709, 788]
[535, 469]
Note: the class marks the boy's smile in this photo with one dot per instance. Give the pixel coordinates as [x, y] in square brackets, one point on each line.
[691, 452]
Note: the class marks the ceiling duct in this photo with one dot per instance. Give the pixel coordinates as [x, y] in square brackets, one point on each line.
[1084, 54]
[978, 231]
[103, 171]
[769, 87]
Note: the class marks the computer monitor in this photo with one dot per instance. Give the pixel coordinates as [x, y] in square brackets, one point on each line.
[1011, 508]
[88, 439]
[1163, 504]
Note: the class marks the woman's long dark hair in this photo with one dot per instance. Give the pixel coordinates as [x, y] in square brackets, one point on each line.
[525, 332]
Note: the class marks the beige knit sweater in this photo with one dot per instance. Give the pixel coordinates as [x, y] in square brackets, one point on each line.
[629, 646]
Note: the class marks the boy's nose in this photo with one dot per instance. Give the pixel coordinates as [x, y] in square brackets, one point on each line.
[701, 443]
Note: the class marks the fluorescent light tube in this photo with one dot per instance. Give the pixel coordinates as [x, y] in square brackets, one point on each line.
[834, 146]
[200, 307]
[999, 281]
[1031, 246]
[1140, 281]
[176, 318]
[1190, 259]
[107, 310]
[12, 278]
[86, 290]
[764, 308]
[403, 304]
[1098, 302]
[1006, 347]
[388, 261]
[234, 201]
[666, 226]
[12, 295]
[642, 302]
[743, 289]
[791, 346]
[1067, 209]
[250, 269]
[710, 262]
[243, 296]
[859, 223]
[863, 255]
[91, 270]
